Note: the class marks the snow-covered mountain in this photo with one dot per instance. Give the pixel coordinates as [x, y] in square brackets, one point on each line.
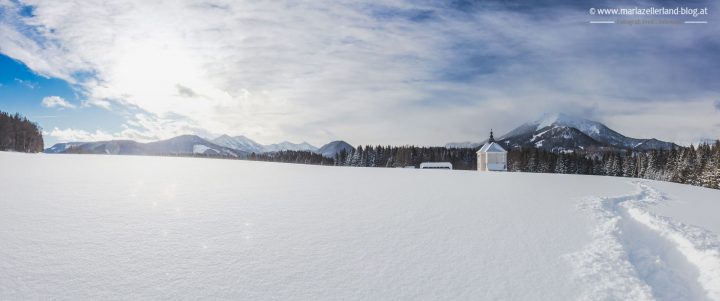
[561, 132]
[329, 150]
[282, 146]
[224, 145]
[239, 143]
[62, 147]
[191, 144]
[248, 145]
[113, 147]
[181, 145]
[552, 138]
[595, 130]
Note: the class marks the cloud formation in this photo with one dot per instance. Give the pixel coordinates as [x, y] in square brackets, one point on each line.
[28, 84]
[73, 135]
[56, 102]
[374, 72]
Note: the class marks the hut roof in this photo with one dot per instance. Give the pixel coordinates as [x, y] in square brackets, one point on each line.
[492, 147]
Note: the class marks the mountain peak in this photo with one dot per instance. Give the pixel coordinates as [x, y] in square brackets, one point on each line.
[562, 119]
[239, 143]
[550, 132]
[329, 150]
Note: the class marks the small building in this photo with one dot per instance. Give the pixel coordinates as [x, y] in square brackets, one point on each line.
[492, 156]
[436, 165]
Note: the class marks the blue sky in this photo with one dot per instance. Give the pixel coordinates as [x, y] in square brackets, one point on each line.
[378, 72]
[23, 91]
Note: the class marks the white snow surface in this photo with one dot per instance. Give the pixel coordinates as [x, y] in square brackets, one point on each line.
[79, 227]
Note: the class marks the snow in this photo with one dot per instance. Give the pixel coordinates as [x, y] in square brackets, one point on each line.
[535, 136]
[640, 255]
[304, 146]
[492, 147]
[546, 121]
[200, 149]
[60, 147]
[558, 119]
[239, 143]
[243, 143]
[149, 228]
[589, 127]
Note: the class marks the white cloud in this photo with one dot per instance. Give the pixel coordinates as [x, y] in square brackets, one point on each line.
[320, 70]
[73, 135]
[56, 102]
[26, 83]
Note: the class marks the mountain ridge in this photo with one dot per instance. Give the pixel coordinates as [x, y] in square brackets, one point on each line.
[180, 145]
[223, 146]
[553, 132]
[560, 132]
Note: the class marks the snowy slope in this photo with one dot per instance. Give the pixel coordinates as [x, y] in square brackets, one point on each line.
[245, 144]
[285, 145]
[180, 145]
[556, 139]
[131, 227]
[241, 143]
[61, 147]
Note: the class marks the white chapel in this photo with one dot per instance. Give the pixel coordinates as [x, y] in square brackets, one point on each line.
[492, 156]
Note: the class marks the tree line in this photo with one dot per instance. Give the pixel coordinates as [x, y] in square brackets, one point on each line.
[692, 165]
[19, 134]
[688, 165]
[289, 156]
[406, 156]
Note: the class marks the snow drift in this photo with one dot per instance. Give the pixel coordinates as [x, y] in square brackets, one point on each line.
[131, 227]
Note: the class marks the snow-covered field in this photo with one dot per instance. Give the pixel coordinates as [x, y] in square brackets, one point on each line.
[122, 227]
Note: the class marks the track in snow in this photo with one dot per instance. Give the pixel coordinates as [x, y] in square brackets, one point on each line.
[641, 256]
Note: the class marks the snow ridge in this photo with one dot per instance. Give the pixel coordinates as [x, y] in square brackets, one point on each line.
[638, 255]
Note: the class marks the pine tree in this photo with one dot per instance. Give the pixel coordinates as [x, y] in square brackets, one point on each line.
[19, 134]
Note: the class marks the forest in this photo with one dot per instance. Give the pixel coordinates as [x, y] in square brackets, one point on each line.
[300, 157]
[19, 134]
[692, 165]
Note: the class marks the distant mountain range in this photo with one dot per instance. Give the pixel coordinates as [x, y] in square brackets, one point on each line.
[223, 146]
[553, 132]
[562, 133]
[181, 145]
